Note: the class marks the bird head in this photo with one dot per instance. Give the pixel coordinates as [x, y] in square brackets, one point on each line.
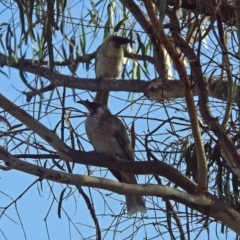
[93, 107]
[112, 48]
[119, 40]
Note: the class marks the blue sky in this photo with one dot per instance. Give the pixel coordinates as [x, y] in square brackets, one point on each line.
[34, 216]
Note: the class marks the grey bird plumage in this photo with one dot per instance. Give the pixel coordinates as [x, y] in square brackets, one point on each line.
[109, 62]
[108, 135]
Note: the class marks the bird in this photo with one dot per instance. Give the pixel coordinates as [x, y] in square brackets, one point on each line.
[108, 135]
[109, 62]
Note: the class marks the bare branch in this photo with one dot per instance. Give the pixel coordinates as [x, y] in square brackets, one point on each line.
[221, 212]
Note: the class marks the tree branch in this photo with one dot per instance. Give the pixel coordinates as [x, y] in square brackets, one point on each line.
[51, 138]
[102, 183]
[207, 7]
[231, 153]
[218, 210]
[158, 89]
[187, 86]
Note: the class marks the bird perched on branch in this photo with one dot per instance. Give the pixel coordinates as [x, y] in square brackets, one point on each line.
[108, 135]
[109, 62]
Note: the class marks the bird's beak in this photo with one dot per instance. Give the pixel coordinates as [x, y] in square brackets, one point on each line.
[91, 106]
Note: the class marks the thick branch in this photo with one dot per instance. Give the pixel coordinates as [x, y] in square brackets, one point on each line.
[219, 210]
[231, 153]
[159, 55]
[207, 7]
[102, 183]
[50, 137]
[187, 86]
[158, 90]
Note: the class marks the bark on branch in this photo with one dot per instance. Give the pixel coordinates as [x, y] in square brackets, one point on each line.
[218, 210]
[159, 89]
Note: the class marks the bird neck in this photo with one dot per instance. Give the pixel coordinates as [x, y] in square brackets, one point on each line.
[112, 50]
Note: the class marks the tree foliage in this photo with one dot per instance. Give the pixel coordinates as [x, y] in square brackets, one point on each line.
[178, 97]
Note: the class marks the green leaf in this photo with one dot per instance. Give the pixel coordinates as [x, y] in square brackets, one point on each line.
[121, 24]
[83, 41]
[60, 202]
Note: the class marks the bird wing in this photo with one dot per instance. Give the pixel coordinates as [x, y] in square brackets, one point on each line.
[127, 151]
[123, 144]
[123, 140]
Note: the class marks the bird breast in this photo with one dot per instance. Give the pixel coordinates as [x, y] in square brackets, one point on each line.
[102, 136]
[109, 60]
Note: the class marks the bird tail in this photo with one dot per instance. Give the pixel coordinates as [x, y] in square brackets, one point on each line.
[135, 204]
[102, 97]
